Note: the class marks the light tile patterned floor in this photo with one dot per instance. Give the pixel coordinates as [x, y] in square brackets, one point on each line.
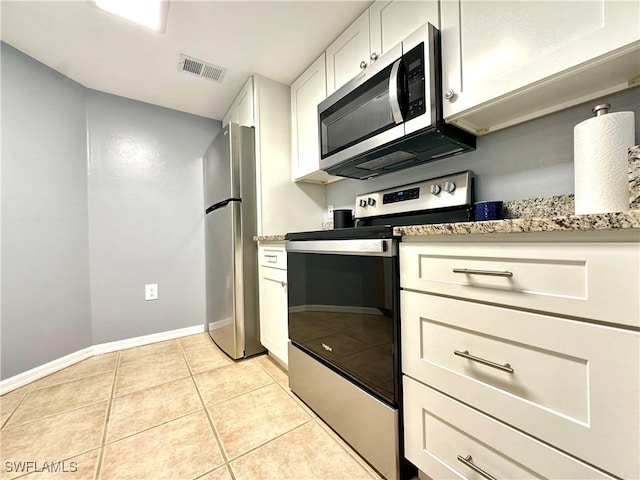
[179, 409]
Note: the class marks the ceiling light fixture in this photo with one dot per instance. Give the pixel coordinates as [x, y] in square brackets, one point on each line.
[149, 13]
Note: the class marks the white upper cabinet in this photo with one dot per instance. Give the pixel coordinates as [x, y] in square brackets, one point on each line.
[385, 24]
[508, 62]
[306, 93]
[348, 54]
[263, 103]
[242, 108]
[230, 117]
[390, 22]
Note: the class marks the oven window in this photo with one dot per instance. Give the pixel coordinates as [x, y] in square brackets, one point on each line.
[362, 114]
[343, 309]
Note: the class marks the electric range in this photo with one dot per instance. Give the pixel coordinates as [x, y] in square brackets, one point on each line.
[344, 314]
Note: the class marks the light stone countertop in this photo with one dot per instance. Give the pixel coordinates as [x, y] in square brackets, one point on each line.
[527, 224]
[572, 223]
[269, 238]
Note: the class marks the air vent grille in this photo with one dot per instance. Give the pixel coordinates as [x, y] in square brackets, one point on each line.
[201, 69]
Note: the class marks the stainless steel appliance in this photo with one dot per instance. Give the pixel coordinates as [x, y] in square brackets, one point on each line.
[344, 315]
[389, 117]
[231, 257]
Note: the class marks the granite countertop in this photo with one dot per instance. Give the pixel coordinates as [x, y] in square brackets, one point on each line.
[574, 223]
[269, 238]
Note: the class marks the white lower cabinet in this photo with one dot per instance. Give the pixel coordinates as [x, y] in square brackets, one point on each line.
[447, 439]
[272, 273]
[499, 367]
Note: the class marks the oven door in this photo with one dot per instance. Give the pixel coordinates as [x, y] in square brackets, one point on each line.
[365, 113]
[343, 309]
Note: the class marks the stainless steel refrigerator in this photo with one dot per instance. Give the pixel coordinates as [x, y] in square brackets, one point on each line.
[231, 254]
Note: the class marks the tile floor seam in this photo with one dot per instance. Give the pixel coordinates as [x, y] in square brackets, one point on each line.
[111, 442]
[238, 395]
[4, 424]
[54, 415]
[72, 380]
[211, 424]
[268, 373]
[299, 401]
[269, 441]
[352, 453]
[184, 356]
[97, 473]
[214, 470]
[35, 382]
[207, 413]
[152, 386]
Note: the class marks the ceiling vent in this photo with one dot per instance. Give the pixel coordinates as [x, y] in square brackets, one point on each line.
[201, 69]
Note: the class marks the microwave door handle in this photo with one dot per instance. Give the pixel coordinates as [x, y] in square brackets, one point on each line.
[394, 101]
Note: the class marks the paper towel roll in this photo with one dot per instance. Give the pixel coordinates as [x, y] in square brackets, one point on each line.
[600, 158]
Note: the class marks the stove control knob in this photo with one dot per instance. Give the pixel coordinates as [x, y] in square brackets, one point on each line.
[371, 201]
[435, 189]
[363, 202]
[449, 186]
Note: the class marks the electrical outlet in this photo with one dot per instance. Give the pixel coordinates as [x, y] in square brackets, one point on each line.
[151, 291]
[329, 213]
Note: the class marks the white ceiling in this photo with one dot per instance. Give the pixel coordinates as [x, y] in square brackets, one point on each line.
[277, 39]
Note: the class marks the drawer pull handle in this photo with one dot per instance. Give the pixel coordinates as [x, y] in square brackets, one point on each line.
[272, 258]
[490, 273]
[468, 461]
[505, 368]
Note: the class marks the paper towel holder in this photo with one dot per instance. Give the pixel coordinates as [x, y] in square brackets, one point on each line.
[601, 109]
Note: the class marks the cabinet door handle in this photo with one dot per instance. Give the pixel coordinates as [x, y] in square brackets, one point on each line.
[490, 273]
[363, 64]
[505, 368]
[468, 461]
[284, 284]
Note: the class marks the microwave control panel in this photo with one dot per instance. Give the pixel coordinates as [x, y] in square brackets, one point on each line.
[414, 62]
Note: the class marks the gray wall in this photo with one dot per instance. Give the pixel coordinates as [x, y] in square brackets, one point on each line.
[45, 240]
[145, 216]
[77, 249]
[533, 159]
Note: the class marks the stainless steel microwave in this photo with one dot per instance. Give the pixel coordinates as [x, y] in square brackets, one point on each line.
[389, 116]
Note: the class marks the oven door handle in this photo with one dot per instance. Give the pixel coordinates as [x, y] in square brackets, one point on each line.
[363, 247]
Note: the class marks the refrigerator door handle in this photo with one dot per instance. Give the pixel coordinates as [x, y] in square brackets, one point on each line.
[221, 204]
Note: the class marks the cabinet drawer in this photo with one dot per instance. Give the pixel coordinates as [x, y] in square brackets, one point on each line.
[438, 429]
[572, 384]
[273, 256]
[573, 279]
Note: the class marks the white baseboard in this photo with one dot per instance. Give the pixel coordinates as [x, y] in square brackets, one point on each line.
[146, 339]
[48, 368]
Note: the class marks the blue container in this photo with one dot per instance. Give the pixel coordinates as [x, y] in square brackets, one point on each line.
[487, 211]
